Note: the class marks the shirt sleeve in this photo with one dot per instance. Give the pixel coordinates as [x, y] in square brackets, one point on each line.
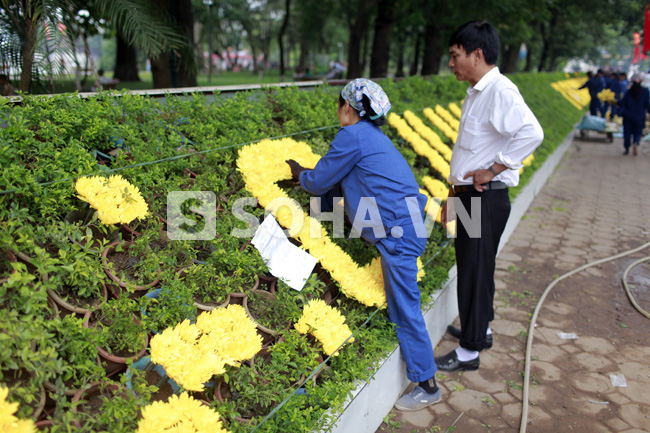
[513, 119]
[342, 156]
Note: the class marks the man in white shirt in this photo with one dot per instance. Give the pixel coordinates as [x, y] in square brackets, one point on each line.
[497, 132]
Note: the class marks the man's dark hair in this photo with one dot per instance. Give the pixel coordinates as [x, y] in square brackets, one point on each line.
[478, 34]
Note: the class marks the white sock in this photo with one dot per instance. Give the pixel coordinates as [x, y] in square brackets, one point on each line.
[465, 355]
[489, 331]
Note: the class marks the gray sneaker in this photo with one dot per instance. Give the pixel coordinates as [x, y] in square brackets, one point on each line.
[417, 399]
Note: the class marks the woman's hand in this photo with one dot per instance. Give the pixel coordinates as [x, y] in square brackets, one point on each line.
[296, 169]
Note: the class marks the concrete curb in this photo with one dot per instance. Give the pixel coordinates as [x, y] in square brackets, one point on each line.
[371, 401]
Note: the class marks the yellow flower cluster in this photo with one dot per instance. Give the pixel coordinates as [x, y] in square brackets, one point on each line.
[432, 208]
[569, 89]
[606, 95]
[439, 123]
[114, 198]
[427, 133]
[526, 162]
[192, 354]
[455, 110]
[420, 145]
[326, 324]
[437, 189]
[9, 423]
[180, 414]
[446, 115]
[262, 165]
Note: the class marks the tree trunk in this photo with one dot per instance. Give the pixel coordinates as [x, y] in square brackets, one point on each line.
[126, 62]
[416, 55]
[161, 71]
[433, 49]
[357, 31]
[434, 34]
[283, 29]
[186, 60]
[510, 58]
[28, 55]
[381, 43]
[400, 55]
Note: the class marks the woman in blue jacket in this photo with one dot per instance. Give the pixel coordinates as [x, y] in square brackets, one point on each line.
[363, 166]
[633, 108]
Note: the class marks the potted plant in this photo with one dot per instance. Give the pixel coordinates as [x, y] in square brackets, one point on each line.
[122, 336]
[203, 284]
[27, 361]
[76, 348]
[111, 406]
[78, 281]
[132, 266]
[169, 305]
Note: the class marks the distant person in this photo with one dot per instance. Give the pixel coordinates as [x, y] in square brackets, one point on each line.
[6, 88]
[595, 84]
[336, 71]
[634, 107]
[622, 88]
[103, 82]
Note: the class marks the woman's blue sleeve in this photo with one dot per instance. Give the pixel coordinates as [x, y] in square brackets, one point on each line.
[343, 155]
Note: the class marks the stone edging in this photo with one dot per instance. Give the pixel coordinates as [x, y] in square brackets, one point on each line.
[372, 401]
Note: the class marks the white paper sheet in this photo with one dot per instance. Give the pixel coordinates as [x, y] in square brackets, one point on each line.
[285, 260]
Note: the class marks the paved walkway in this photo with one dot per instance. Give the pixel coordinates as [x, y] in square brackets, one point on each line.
[596, 204]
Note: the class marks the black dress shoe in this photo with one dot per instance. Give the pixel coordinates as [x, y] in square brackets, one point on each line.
[450, 362]
[455, 332]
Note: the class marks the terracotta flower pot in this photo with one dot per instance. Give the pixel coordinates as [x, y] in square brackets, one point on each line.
[200, 306]
[269, 297]
[112, 363]
[238, 297]
[124, 284]
[67, 308]
[89, 392]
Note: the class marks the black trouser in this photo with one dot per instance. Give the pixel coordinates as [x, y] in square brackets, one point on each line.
[476, 260]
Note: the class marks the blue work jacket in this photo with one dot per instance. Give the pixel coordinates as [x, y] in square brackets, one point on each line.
[635, 109]
[363, 162]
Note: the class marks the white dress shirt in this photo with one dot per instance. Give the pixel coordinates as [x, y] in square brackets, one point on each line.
[496, 125]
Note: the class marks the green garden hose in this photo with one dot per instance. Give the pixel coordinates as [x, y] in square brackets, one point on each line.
[531, 328]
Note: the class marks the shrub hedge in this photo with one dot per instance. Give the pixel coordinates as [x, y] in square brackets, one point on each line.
[47, 142]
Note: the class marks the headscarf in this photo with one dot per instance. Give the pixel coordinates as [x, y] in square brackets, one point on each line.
[353, 93]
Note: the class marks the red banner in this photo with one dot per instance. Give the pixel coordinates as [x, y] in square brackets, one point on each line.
[646, 31]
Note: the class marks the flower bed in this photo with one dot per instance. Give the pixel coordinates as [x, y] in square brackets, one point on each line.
[52, 141]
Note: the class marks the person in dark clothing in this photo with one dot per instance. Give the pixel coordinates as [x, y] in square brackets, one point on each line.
[622, 88]
[595, 84]
[634, 107]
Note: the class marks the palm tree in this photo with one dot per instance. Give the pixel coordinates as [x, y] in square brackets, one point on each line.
[28, 28]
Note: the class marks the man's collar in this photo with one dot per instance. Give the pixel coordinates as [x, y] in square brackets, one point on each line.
[486, 79]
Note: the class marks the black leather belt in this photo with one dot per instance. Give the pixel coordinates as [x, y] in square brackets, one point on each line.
[488, 186]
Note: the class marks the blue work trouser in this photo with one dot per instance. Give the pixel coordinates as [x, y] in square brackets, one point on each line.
[632, 131]
[399, 266]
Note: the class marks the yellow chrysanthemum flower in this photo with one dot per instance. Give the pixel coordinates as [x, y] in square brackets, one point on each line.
[440, 123]
[114, 198]
[427, 133]
[180, 414]
[9, 423]
[420, 146]
[326, 324]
